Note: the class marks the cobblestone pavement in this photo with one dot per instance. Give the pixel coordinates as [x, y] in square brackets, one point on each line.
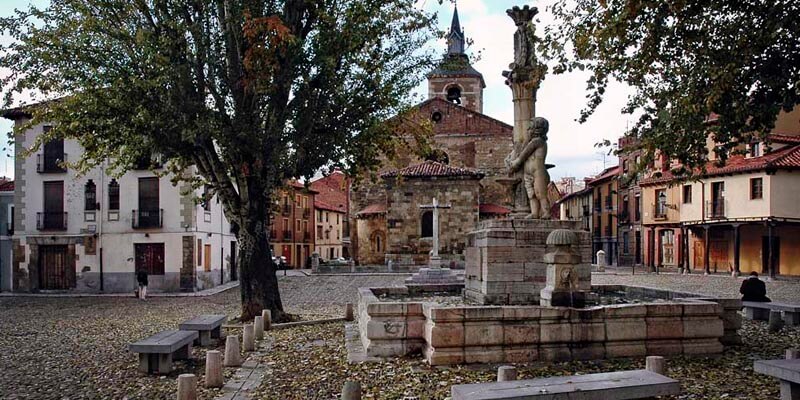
[718, 285]
[76, 348]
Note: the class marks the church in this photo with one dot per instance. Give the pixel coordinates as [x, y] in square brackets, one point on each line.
[390, 221]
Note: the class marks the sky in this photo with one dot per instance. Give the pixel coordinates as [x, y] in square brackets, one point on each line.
[560, 98]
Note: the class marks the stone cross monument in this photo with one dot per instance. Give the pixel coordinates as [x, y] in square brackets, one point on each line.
[434, 274]
[528, 177]
[435, 260]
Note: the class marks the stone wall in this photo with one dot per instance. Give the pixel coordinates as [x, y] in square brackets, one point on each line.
[504, 259]
[368, 227]
[404, 216]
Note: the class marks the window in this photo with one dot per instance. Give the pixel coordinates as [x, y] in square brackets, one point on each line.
[113, 195]
[454, 94]
[755, 149]
[53, 155]
[377, 242]
[90, 196]
[305, 201]
[427, 224]
[327, 216]
[637, 208]
[297, 201]
[756, 188]
[661, 204]
[625, 243]
[319, 216]
[337, 219]
[53, 216]
[206, 198]
[327, 234]
[687, 194]
[319, 231]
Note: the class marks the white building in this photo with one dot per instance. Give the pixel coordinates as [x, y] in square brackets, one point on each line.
[92, 232]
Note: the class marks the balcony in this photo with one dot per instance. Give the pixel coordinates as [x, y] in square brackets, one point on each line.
[144, 219]
[609, 203]
[586, 211]
[306, 213]
[659, 211]
[273, 235]
[51, 221]
[597, 206]
[608, 231]
[596, 232]
[287, 236]
[48, 163]
[306, 236]
[286, 210]
[715, 209]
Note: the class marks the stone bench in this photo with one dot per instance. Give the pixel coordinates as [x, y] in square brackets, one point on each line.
[788, 371]
[637, 384]
[208, 326]
[157, 352]
[760, 311]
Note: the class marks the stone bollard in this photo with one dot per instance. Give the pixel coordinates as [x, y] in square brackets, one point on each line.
[601, 261]
[258, 327]
[655, 364]
[351, 391]
[213, 369]
[775, 321]
[348, 312]
[793, 354]
[266, 316]
[506, 373]
[187, 387]
[248, 338]
[232, 356]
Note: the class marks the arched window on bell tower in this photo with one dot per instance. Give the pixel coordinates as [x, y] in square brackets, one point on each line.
[454, 94]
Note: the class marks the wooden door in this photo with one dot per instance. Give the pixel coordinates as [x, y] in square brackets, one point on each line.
[53, 155]
[699, 255]
[150, 257]
[53, 268]
[207, 256]
[53, 205]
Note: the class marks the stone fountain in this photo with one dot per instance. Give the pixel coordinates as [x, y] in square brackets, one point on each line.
[527, 294]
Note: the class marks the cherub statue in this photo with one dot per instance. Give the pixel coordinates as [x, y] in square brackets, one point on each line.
[531, 160]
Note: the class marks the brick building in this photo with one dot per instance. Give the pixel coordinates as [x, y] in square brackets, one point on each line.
[292, 224]
[463, 138]
[604, 226]
[332, 239]
[629, 228]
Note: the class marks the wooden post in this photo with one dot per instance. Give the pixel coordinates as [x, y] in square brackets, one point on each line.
[187, 387]
[351, 391]
[506, 373]
[706, 248]
[655, 364]
[737, 245]
[232, 356]
[771, 257]
[213, 369]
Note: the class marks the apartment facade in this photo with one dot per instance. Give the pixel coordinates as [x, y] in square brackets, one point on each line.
[6, 234]
[331, 207]
[93, 232]
[604, 189]
[629, 215]
[577, 206]
[292, 224]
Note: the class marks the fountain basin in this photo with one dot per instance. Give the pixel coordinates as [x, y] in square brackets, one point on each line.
[661, 323]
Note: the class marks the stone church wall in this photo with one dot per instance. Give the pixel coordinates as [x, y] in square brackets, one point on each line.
[404, 216]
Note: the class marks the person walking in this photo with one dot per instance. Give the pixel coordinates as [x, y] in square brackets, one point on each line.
[754, 289]
[141, 278]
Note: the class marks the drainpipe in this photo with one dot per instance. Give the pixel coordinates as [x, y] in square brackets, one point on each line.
[100, 224]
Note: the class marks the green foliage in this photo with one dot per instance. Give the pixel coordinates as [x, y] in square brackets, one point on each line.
[686, 59]
[250, 92]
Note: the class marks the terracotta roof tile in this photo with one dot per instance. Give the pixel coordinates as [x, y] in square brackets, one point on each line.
[332, 191]
[607, 173]
[373, 209]
[432, 168]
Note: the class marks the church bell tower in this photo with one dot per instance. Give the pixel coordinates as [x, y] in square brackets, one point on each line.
[454, 79]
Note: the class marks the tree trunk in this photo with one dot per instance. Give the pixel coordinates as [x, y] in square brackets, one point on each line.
[257, 279]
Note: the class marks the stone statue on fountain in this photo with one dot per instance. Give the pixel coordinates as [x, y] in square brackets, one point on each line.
[530, 161]
[528, 178]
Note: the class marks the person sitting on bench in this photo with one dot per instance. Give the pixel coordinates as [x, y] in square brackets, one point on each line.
[753, 289]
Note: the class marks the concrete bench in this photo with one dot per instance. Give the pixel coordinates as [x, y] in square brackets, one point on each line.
[760, 311]
[157, 352]
[788, 371]
[207, 326]
[637, 384]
